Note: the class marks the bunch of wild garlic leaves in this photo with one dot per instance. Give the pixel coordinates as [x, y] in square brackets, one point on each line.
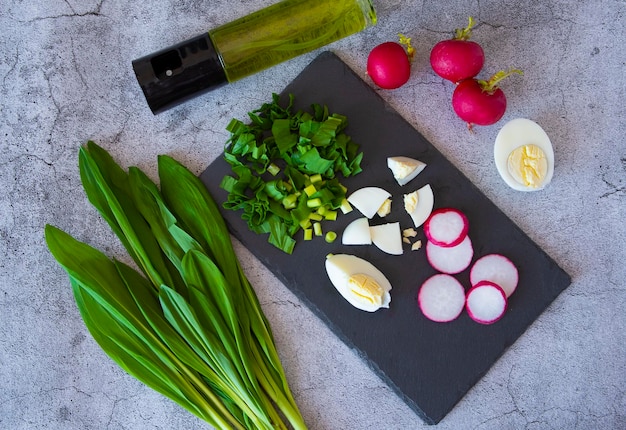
[190, 325]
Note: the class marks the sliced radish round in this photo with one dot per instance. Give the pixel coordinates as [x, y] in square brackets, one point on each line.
[450, 260]
[498, 269]
[486, 302]
[441, 298]
[446, 227]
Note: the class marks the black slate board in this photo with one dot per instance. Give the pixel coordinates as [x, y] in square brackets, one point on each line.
[429, 365]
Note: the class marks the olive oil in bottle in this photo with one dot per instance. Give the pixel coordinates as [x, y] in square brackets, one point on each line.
[246, 46]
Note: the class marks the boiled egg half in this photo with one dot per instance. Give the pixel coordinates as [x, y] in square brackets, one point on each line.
[359, 282]
[524, 155]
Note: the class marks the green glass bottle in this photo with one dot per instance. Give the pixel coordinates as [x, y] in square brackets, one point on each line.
[246, 46]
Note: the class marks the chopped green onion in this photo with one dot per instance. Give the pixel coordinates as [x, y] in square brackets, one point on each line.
[317, 228]
[305, 223]
[273, 169]
[308, 234]
[290, 201]
[330, 215]
[313, 149]
[316, 178]
[314, 203]
[315, 217]
[310, 190]
[345, 207]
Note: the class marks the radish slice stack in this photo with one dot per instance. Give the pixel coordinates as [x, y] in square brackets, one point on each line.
[495, 268]
[449, 250]
[452, 259]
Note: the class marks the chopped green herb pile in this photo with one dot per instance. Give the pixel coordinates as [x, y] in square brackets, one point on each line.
[285, 167]
[189, 325]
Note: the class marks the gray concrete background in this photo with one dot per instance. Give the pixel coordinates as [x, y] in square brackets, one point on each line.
[65, 77]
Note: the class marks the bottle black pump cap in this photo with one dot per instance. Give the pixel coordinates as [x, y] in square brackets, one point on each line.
[179, 73]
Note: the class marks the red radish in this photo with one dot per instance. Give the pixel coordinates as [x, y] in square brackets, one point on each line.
[441, 298]
[481, 102]
[458, 58]
[486, 302]
[389, 65]
[450, 260]
[498, 269]
[446, 227]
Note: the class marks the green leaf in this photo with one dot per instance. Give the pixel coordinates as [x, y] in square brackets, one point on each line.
[112, 317]
[106, 185]
[136, 356]
[275, 190]
[284, 138]
[202, 339]
[189, 199]
[147, 300]
[314, 163]
[279, 236]
[193, 206]
[172, 239]
[327, 131]
[183, 317]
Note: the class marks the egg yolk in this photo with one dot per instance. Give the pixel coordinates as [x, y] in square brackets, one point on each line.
[402, 170]
[528, 165]
[410, 201]
[366, 288]
[385, 209]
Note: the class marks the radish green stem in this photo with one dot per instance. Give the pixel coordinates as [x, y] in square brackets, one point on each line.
[406, 41]
[491, 85]
[464, 33]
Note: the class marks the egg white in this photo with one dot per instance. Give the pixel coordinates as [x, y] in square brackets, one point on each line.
[357, 233]
[405, 169]
[424, 207]
[368, 200]
[340, 267]
[516, 133]
[387, 237]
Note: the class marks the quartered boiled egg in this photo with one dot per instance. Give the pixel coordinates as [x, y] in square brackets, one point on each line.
[524, 155]
[404, 169]
[387, 237]
[359, 282]
[357, 233]
[419, 204]
[369, 200]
